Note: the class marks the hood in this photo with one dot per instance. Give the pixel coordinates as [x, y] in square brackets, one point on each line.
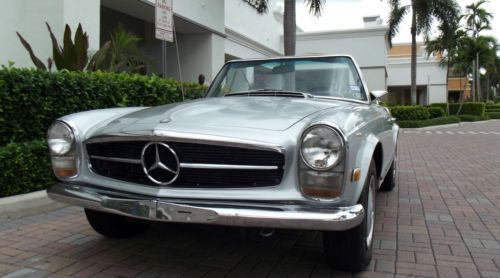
[260, 113]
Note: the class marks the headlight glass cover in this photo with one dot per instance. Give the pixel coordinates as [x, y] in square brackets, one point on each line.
[60, 138]
[321, 147]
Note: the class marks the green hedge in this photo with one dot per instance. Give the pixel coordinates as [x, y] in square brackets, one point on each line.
[441, 105]
[30, 100]
[472, 118]
[429, 122]
[493, 115]
[468, 108]
[410, 113]
[436, 112]
[492, 106]
[492, 110]
[24, 167]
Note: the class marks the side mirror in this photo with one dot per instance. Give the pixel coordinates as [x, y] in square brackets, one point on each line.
[377, 94]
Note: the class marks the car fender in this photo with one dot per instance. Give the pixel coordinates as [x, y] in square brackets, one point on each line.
[362, 159]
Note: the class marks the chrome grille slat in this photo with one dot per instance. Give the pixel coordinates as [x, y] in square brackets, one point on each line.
[202, 165]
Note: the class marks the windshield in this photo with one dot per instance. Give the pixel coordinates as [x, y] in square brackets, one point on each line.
[320, 76]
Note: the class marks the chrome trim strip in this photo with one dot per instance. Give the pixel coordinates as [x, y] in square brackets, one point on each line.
[227, 166]
[181, 137]
[191, 165]
[116, 159]
[168, 210]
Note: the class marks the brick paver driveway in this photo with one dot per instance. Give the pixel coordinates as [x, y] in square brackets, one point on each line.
[442, 220]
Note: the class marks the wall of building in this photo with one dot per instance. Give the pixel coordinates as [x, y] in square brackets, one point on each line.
[260, 34]
[207, 13]
[428, 72]
[28, 18]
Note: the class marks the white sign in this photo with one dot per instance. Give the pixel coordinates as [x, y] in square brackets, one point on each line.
[163, 20]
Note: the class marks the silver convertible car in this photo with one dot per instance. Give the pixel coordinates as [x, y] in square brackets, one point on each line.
[291, 142]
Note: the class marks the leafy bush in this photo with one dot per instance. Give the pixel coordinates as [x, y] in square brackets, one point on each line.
[436, 112]
[25, 167]
[30, 100]
[472, 118]
[494, 106]
[429, 122]
[490, 102]
[410, 113]
[468, 108]
[493, 115]
[441, 105]
[491, 110]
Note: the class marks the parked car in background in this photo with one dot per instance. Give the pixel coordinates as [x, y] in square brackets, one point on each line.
[291, 142]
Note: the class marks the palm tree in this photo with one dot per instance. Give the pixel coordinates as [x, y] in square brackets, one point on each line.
[477, 20]
[447, 45]
[290, 20]
[424, 12]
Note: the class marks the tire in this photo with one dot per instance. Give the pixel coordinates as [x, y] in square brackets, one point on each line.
[351, 250]
[114, 226]
[390, 179]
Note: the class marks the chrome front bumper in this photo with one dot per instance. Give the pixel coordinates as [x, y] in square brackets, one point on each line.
[213, 212]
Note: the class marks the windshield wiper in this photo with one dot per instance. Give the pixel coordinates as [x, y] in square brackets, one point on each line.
[270, 93]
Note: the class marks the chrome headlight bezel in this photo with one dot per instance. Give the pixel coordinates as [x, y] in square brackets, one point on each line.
[337, 135]
[60, 138]
[65, 159]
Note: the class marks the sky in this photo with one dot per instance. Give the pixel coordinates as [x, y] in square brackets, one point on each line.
[348, 14]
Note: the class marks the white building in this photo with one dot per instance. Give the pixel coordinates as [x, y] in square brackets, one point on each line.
[210, 32]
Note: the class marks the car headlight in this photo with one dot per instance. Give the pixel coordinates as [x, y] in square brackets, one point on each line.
[60, 138]
[321, 147]
[64, 157]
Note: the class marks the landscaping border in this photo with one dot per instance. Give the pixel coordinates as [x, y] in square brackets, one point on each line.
[27, 204]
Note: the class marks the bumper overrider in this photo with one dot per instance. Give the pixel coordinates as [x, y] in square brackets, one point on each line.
[215, 212]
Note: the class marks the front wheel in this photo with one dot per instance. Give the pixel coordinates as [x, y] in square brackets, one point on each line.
[114, 226]
[351, 250]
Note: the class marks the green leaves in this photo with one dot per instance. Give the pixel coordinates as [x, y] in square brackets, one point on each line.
[31, 100]
[25, 168]
[38, 63]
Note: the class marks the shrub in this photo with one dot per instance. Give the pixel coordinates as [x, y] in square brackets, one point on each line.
[30, 100]
[410, 113]
[494, 106]
[493, 115]
[441, 105]
[429, 122]
[468, 108]
[436, 112]
[490, 102]
[25, 167]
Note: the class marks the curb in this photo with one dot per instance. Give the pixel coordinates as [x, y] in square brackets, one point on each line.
[27, 204]
[445, 126]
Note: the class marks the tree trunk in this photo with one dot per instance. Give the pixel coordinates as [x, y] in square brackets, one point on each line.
[478, 77]
[289, 28]
[473, 85]
[462, 95]
[413, 55]
[447, 88]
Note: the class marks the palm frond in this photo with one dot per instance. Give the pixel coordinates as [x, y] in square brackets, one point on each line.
[396, 16]
[315, 6]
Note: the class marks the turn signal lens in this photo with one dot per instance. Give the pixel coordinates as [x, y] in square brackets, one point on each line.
[356, 174]
[64, 166]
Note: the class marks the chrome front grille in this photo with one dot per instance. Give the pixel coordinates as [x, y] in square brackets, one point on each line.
[200, 165]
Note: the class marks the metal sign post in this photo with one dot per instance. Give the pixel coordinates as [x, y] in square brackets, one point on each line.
[164, 28]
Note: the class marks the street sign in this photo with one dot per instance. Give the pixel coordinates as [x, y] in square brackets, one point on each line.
[163, 20]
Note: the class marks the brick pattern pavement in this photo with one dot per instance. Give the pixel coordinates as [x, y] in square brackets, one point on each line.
[442, 221]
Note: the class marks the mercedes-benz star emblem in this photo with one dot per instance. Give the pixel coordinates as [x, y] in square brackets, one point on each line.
[160, 163]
